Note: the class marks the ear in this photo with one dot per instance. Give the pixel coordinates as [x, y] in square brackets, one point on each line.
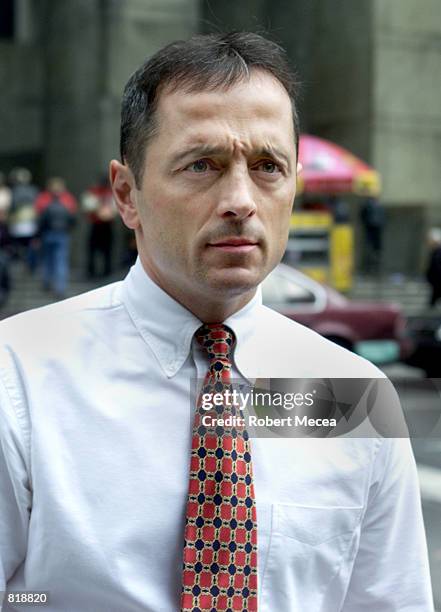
[299, 167]
[124, 188]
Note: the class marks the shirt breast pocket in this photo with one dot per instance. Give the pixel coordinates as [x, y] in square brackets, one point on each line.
[311, 547]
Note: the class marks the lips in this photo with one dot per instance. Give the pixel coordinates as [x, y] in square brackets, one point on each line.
[234, 245]
[234, 242]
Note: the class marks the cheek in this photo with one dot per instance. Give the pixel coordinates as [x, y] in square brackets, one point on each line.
[174, 233]
[172, 222]
[159, 217]
[279, 217]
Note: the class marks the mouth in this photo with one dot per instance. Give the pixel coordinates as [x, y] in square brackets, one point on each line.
[234, 245]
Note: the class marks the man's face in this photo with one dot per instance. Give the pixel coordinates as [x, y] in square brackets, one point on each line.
[217, 189]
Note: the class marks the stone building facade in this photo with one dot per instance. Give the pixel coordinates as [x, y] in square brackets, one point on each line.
[371, 71]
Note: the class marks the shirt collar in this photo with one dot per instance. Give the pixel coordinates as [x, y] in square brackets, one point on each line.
[168, 327]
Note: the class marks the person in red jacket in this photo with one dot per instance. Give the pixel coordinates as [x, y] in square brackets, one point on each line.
[99, 204]
[56, 209]
[55, 186]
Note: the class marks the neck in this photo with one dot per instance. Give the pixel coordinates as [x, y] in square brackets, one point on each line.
[207, 308]
[217, 312]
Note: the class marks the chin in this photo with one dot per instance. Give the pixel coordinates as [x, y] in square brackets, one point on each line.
[234, 282]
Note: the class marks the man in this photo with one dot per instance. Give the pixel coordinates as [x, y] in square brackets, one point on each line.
[56, 209]
[372, 216]
[115, 497]
[22, 219]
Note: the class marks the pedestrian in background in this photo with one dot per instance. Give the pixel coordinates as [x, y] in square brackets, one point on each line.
[339, 209]
[433, 273]
[5, 241]
[5, 197]
[5, 206]
[22, 217]
[372, 217]
[56, 209]
[100, 207]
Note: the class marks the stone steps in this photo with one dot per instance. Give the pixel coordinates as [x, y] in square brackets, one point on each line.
[27, 291]
[411, 294]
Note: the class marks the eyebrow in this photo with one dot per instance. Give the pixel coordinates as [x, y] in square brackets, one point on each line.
[206, 150]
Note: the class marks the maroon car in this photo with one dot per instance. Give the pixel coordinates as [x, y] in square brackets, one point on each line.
[374, 330]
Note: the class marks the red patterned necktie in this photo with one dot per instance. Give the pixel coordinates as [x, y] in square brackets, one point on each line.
[220, 550]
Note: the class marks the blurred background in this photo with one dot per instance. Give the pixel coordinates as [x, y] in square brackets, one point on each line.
[363, 263]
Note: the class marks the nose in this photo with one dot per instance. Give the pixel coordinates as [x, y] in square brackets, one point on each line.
[236, 196]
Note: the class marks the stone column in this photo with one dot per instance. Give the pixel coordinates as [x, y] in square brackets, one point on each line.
[91, 51]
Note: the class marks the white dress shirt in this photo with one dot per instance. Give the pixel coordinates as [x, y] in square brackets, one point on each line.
[95, 430]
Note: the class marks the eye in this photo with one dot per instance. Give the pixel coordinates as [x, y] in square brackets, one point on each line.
[199, 166]
[268, 166]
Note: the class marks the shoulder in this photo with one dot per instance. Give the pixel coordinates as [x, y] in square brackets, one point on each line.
[41, 200]
[296, 350]
[47, 325]
[69, 200]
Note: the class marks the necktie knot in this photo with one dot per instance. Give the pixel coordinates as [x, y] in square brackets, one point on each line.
[217, 339]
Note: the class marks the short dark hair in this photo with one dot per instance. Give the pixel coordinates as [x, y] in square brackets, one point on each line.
[204, 62]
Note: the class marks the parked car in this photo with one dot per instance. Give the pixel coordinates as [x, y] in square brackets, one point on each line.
[374, 330]
[425, 332]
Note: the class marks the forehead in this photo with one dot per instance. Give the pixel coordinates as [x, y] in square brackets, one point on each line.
[254, 110]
